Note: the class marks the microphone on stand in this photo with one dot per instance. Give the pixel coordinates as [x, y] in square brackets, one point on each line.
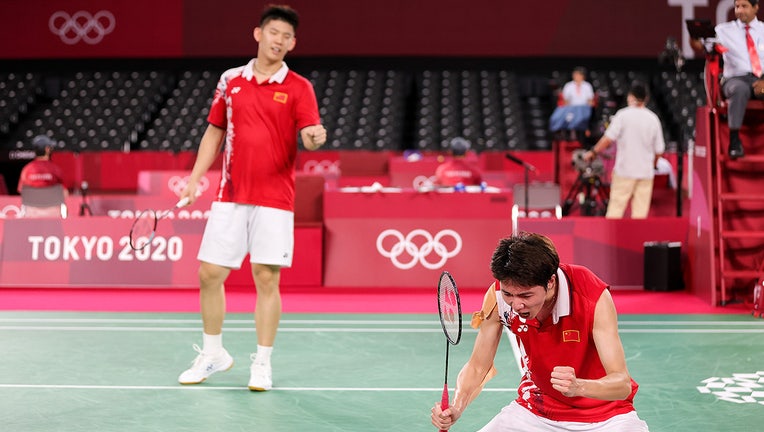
[519, 161]
[84, 206]
[527, 168]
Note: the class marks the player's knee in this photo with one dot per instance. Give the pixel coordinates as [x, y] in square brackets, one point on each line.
[266, 277]
[210, 274]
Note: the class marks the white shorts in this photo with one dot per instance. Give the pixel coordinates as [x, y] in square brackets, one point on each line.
[234, 230]
[514, 418]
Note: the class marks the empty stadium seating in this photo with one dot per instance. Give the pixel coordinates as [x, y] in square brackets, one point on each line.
[362, 108]
[19, 92]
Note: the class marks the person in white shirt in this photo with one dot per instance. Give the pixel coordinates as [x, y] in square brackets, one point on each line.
[574, 109]
[639, 135]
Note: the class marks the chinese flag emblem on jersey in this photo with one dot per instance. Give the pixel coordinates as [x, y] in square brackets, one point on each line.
[280, 97]
[571, 336]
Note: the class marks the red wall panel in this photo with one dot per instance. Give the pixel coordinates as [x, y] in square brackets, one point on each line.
[90, 28]
[495, 28]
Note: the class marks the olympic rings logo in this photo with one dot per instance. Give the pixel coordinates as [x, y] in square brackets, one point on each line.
[419, 251]
[177, 184]
[321, 167]
[82, 26]
[10, 211]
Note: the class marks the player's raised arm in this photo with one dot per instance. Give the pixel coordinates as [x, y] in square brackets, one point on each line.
[616, 384]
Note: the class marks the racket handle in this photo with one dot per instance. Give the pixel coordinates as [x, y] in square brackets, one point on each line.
[182, 203]
[444, 400]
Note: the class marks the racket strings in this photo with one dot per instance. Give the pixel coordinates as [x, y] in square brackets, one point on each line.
[450, 310]
[143, 229]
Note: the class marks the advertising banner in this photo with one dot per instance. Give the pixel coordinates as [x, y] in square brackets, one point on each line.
[95, 252]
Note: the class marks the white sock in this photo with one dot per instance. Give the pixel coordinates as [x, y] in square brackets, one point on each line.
[212, 344]
[263, 354]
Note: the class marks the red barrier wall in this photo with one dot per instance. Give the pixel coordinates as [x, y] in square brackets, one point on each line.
[406, 239]
[86, 28]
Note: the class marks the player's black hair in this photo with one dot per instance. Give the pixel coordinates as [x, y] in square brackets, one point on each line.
[525, 259]
[639, 90]
[459, 146]
[279, 12]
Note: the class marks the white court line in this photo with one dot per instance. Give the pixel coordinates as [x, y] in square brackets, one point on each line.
[756, 323]
[210, 388]
[693, 323]
[348, 330]
[199, 321]
[227, 329]
[711, 331]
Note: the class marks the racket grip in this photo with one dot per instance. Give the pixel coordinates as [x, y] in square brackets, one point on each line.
[182, 203]
[444, 400]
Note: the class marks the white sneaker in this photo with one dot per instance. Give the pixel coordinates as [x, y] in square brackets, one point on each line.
[260, 378]
[205, 365]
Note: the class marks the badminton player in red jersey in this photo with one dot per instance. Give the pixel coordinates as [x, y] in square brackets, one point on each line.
[564, 320]
[256, 115]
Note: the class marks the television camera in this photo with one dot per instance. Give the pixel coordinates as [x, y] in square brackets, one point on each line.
[589, 193]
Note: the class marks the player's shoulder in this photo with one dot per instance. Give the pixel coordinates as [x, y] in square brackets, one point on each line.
[233, 72]
[574, 269]
[583, 280]
[299, 79]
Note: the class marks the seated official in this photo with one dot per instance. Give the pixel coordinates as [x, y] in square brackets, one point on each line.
[574, 109]
[742, 79]
[457, 171]
[42, 173]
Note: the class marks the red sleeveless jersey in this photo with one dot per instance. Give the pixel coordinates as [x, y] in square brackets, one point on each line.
[569, 342]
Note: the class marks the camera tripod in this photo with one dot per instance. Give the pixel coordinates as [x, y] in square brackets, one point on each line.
[589, 193]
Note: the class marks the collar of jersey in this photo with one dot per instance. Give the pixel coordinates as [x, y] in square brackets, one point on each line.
[279, 76]
[562, 307]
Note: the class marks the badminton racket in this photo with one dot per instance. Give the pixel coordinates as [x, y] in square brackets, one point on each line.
[450, 311]
[144, 227]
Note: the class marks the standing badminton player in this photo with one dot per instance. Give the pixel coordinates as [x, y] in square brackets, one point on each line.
[256, 115]
[565, 322]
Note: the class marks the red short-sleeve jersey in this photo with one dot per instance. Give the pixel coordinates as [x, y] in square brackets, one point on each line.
[455, 171]
[262, 122]
[40, 173]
